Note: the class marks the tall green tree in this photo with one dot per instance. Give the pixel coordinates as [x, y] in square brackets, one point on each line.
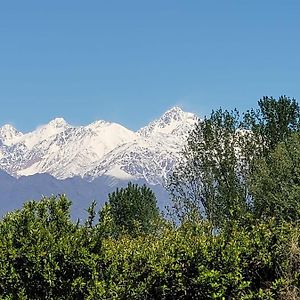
[132, 209]
[275, 182]
[274, 121]
[274, 176]
[210, 181]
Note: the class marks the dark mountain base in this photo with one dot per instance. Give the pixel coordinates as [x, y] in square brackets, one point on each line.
[15, 191]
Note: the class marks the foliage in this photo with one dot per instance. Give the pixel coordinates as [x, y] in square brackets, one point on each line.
[223, 152]
[43, 255]
[276, 182]
[132, 209]
[210, 181]
[274, 121]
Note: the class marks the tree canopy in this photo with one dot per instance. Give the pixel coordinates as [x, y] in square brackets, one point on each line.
[132, 209]
[212, 181]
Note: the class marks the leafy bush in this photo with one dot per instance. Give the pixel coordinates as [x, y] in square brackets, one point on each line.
[43, 255]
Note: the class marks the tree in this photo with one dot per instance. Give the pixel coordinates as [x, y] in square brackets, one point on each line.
[210, 181]
[131, 209]
[275, 182]
[274, 121]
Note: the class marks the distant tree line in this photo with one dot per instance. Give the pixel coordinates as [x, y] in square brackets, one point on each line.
[233, 230]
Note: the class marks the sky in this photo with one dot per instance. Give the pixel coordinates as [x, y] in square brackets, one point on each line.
[129, 61]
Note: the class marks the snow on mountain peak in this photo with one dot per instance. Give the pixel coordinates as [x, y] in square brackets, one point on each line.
[9, 135]
[175, 113]
[58, 123]
[153, 154]
[101, 147]
[174, 121]
[72, 151]
[98, 124]
[44, 132]
[7, 127]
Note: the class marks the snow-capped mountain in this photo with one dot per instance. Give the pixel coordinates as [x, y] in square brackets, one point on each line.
[174, 122]
[44, 132]
[73, 151]
[9, 135]
[100, 148]
[153, 153]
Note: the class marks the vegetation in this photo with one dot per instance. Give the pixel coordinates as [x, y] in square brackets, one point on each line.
[210, 182]
[236, 234]
[223, 158]
[275, 182]
[131, 210]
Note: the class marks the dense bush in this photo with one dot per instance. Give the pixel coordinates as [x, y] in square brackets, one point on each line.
[190, 263]
[43, 255]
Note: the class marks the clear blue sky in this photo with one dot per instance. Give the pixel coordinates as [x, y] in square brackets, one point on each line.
[129, 61]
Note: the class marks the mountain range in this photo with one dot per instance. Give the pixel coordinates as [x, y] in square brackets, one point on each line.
[86, 162]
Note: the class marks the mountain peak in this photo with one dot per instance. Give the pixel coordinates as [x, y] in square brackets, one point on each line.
[58, 122]
[7, 127]
[175, 113]
[175, 110]
[44, 132]
[98, 124]
[174, 119]
[9, 134]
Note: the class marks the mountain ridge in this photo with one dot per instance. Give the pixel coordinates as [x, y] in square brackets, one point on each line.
[97, 149]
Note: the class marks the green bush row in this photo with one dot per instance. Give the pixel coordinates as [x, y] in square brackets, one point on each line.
[44, 255]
